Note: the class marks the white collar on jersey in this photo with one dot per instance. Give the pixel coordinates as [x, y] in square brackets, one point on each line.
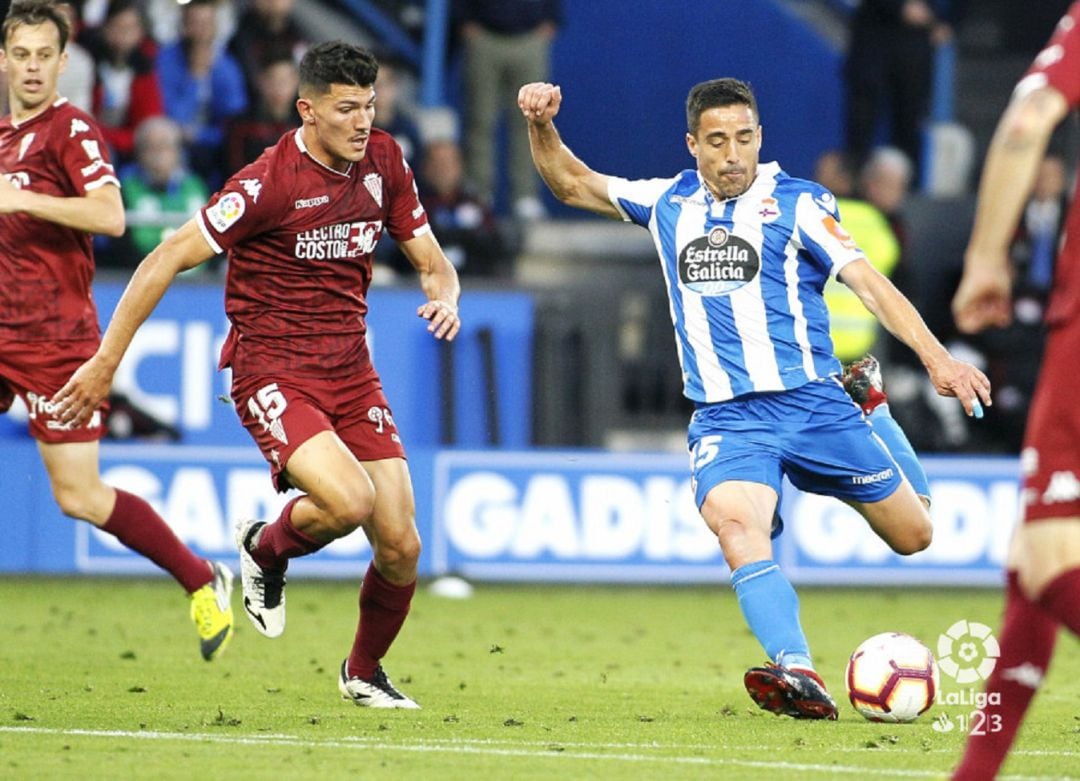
[299, 138]
[58, 102]
[766, 174]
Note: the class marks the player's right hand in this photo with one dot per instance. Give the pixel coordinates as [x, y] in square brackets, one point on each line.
[10, 196]
[539, 102]
[983, 299]
[83, 393]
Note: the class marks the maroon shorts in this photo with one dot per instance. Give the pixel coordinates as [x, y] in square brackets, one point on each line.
[1050, 460]
[35, 371]
[283, 413]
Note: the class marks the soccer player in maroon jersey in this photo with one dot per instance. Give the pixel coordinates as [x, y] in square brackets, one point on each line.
[1043, 567]
[56, 188]
[300, 225]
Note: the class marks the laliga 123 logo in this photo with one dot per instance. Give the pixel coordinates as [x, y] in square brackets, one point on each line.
[967, 652]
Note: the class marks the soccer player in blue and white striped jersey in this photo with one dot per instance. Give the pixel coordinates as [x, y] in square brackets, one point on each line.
[745, 251]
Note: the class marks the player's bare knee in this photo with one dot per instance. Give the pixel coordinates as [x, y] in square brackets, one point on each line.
[72, 502]
[742, 542]
[400, 553]
[348, 512]
[730, 531]
[916, 537]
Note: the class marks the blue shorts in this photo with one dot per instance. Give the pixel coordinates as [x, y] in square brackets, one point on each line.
[814, 434]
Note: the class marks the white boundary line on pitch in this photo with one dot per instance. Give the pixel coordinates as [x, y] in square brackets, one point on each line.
[552, 750]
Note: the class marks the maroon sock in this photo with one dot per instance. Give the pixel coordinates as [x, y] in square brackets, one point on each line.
[1061, 599]
[1027, 643]
[134, 522]
[280, 541]
[383, 607]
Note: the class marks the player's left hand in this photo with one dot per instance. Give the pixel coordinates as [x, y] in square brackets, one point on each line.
[444, 321]
[83, 393]
[964, 381]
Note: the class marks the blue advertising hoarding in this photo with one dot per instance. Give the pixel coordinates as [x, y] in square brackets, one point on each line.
[606, 517]
[519, 515]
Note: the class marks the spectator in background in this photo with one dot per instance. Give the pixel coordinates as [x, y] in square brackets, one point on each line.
[266, 26]
[854, 330]
[203, 88]
[391, 114]
[164, 17]
[885, 181]
[465, 225]
[77, 79]
[507, 43]
[1039, 232]
[160, 194]
[273, 111]
[833, 172]
[889, 74]
[126, 89]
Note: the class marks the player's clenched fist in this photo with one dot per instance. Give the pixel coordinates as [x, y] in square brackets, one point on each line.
[539, 101]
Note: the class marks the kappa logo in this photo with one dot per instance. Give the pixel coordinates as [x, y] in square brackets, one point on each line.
[373, 183]
[24, 145]
[1063, 487]
[78, 126]
[252, 187]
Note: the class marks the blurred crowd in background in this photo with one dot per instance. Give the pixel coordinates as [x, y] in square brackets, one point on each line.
[188, 93]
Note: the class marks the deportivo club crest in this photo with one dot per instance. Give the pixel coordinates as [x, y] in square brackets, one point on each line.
[718, 263]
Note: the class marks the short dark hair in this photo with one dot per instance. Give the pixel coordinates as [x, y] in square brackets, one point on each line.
[33, 13]
[336, 62]
[715, 94]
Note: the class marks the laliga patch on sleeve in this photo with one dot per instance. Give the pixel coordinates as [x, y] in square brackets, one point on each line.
[224, 214]
[838, 232]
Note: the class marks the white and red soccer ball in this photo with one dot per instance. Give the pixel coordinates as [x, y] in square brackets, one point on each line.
[892, 677]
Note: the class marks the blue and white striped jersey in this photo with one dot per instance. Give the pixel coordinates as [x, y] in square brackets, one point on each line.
[744, 277]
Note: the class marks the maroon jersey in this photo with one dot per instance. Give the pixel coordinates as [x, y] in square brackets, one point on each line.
[45, 268]
[1058, 66]
[300, 238]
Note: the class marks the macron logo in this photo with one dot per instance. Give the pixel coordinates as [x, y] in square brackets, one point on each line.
[310, 203]
[78, 126]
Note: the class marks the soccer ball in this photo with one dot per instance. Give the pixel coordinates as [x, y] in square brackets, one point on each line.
[892, 677]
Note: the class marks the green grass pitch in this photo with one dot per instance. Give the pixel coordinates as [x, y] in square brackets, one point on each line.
[101, 679]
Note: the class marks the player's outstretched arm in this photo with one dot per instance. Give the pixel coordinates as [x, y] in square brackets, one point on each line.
[439, 281]
[984, 296]
[89, 385]
[99, 211]
[950, 376]
[572, 182]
